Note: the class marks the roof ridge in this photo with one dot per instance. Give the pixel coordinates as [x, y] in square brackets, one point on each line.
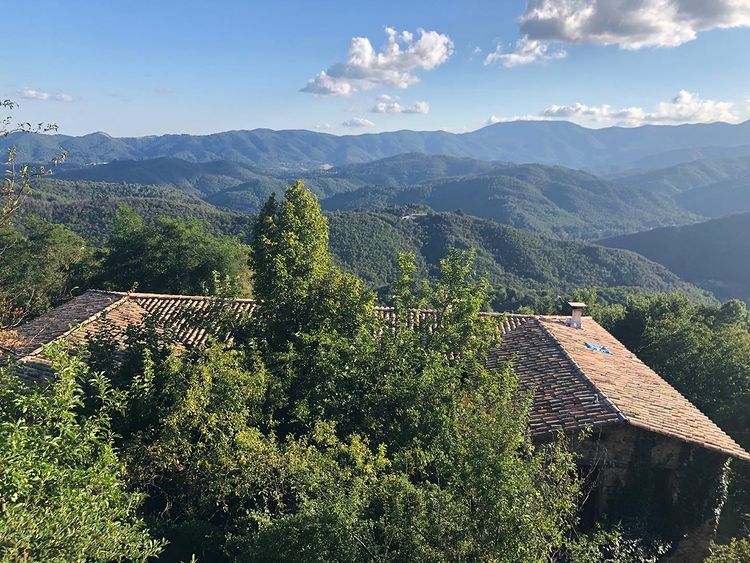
[85, 322]
[579, 370]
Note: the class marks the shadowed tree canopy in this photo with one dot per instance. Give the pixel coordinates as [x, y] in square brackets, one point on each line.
[172, 256]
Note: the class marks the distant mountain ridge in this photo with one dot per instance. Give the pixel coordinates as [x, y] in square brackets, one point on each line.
[551, 200]
[547, 142]
[714, 255]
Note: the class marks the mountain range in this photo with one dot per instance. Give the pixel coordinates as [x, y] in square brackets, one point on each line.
[714, 254]
[661, 182]
[608, 149]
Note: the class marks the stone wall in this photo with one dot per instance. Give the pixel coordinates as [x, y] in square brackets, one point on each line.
[660, 487]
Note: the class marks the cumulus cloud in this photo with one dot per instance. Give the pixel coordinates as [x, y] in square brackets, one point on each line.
[389, 104]
[526, 51]
[394, 65]
[685, 107]
[32, 94]
[358, 122]
[630, 24]
[491, 120]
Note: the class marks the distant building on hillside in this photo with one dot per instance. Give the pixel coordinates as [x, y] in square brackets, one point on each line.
[650, 455]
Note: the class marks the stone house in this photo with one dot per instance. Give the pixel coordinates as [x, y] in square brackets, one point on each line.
[651, 459]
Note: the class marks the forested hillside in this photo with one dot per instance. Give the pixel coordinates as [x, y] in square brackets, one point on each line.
[197, 178]
[523, 269]
[707, 187]
[551, 200]
[88, 208]
[555, 201]
[714, 255]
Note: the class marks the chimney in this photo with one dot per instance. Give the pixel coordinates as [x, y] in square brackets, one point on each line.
[576, 314]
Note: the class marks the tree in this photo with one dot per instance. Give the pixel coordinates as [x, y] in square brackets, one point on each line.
[704, 351]
[40, 266]
[326, 433]
[172, 256]
[63, 495]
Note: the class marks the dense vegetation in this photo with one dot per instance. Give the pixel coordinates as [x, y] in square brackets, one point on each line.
[704, 351]
[89, 208]
[523, 269]
[316, 434]
[706, 187]
[714, 255]
[172, 256]
[41, 265]
[549, 200]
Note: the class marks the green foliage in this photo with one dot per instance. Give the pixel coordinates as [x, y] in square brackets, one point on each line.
[41, 264]
[549, 200]
[89, 208]
[61, 484]
[704, 351]
[523, 269]
[736, 551]
[323, 433]
[171, 256]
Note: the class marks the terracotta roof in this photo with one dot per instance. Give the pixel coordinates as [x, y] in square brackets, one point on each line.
[579, 377]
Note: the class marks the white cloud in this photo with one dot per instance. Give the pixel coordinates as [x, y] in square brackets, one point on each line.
[526, 51]
[32, 94]
[394, 65]
[685, 107]
[358, 122]
[389, 104]
[323, 126]
[630, 24]
[491, 120]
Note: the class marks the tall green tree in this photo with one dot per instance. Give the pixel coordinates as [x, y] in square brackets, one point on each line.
[172, 256]
[41, 265]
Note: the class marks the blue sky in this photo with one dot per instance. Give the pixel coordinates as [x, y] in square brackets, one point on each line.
[141, 68]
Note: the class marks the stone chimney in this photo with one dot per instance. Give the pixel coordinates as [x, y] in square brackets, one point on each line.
[576, 314]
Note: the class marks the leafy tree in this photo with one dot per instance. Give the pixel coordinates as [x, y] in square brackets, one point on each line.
[736, 551]
[63, 495]
[322, 432]
[40, 266]
[171, 256]
[704, 351]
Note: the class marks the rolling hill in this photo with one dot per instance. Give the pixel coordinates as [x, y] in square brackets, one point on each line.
[88, 208]
[552, 200]
[522, 267]
[714, 255]
[707, 187]
[197, 178]
[547, 142]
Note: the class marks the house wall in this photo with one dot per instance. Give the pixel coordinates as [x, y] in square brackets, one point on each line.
[662, 488]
